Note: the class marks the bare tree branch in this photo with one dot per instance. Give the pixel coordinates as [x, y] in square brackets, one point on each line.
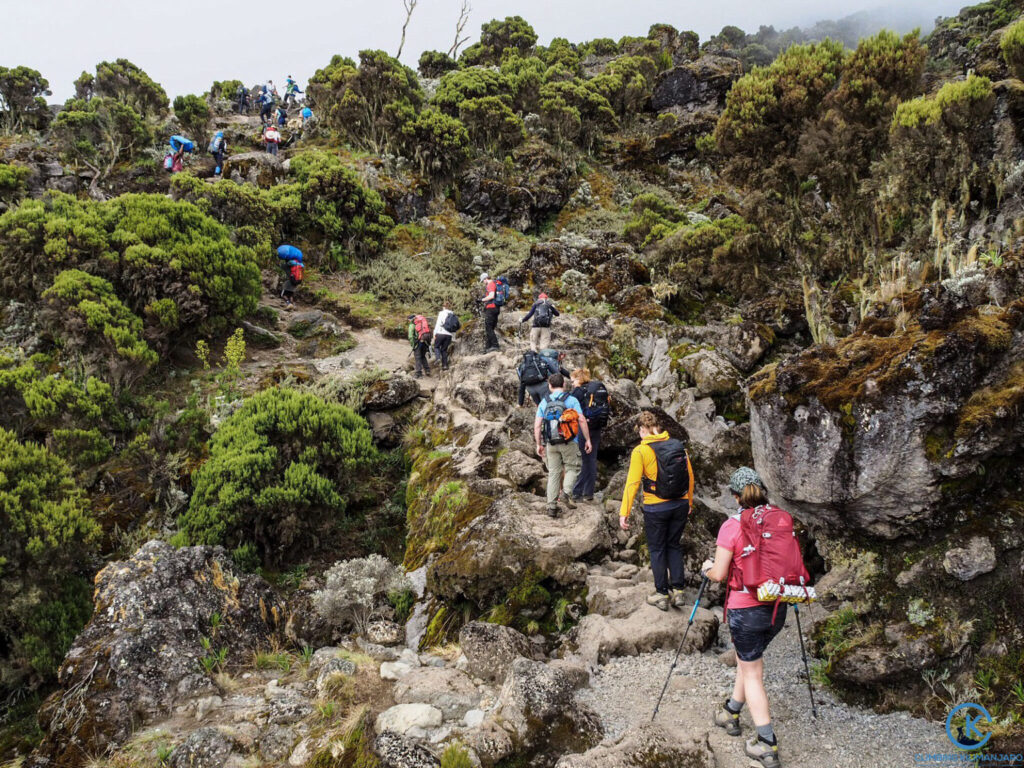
[460, 25]
[410, 6]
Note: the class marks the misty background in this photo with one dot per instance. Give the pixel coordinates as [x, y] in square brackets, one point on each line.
[187, 44]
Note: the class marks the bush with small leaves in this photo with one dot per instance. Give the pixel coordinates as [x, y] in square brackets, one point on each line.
[12, 182]
[493, 126]
[354, 590]
[225, 89]
[513, 33]
[434, 64]
[245, 209]
[23, 93]
[126, 84]
[99, 133]
[627, 83]
[48, 539]
[439, 144]
[93, 325]
[472, 83]
[574, 110]
[1012, 45]
[281, 473]
[193, 115]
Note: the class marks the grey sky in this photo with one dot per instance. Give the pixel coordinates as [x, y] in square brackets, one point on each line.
[186, 44]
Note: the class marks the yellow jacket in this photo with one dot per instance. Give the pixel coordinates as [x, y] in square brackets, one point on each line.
[644, 464]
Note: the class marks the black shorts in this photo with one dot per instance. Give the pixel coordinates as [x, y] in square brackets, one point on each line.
[752, 629]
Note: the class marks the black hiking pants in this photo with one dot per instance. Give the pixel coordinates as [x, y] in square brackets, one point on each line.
[420, 352]
[587, 480]
[664, 525]
[490, 326]
[441, 343]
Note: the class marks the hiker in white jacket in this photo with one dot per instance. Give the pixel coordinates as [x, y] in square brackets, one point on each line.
[444, 330]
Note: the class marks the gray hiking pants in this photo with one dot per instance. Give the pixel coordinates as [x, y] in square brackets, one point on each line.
[558, 458]
[540, 338]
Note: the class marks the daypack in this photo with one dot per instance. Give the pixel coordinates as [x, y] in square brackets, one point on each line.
[770, 552]
[177, 163]
[296, 272]
[550, 358]
[215, 144]
[561, 424]
[272, 136]
[168, 161]
[673, 481]
[532, 370]
[500, 291]
[451, 322]
[422, 326]
[542, 315]
[596, 407]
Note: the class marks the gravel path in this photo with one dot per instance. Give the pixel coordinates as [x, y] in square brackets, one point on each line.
[624, 691]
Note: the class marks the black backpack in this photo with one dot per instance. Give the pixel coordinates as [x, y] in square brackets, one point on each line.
[542, 315]
[451, 323]
[532, 369]
[595, 404]
[673, 481]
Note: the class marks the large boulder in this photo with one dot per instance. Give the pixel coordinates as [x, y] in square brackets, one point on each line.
[700, 83]
[490, 649]
[397, 751]
[711, 373]
[448, 690]
[402, 718]
[259, 168]
[204, 748]
[388, 394]
[888, 430]
[139, 656]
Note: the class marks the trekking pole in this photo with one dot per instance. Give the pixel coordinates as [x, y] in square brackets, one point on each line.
[803, 652]
[696, 604]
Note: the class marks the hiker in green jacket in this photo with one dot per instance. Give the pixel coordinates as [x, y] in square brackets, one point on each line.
[419, 340]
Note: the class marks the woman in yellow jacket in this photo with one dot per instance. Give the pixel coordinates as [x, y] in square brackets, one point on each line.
[661, 465]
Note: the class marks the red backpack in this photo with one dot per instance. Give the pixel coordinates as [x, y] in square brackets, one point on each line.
[422, 328]
[296, 272]
[770, 552]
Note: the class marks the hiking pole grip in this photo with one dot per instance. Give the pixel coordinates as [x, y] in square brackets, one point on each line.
[803, 653]
[679, 649]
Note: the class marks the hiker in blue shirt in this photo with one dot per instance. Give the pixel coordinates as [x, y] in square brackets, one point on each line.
[307, 115]
[561, 432]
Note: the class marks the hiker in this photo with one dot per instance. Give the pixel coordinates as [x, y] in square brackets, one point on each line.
[419, 339]
[242, 95]
[272, 138]
[281, 114]
[174, 161]
[266, 102]
[593, 396]
[558, 429]
[660, 463]
[533, 371]
[291, 261]
[495, 296]
[445, 328]
[217, 147]
[752, 624]
[307, 115]
[270, 89]
[542, 312]
[291, 91]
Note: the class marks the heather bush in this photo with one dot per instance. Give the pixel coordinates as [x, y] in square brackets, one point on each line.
[354, 590]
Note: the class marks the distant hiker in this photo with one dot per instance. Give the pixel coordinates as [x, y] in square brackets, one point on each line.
[445, 328]
[542, 312]
[660, 463]
[491, 310]
[533, 371]
[270, 89]
[174, 161]
[291, 91]
[419, 339]
[752, 623]
[217, 147]
[281, 114]
[294, 270]
[307, 116]
[271, 138]
[557, 430]
[242, 96]
[593, 396]
[266, 102]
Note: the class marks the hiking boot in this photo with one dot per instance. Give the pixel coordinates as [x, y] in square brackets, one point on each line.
[419, 375]
[728, 720]
[766, 754]
[658, 600]
[552, 510]
[589, 497]
[566, 499]
[678, 599]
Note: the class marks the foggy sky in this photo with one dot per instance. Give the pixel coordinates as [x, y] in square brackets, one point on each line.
[186, 44]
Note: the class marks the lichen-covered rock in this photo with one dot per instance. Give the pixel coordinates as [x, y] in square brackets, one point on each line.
[385, 633]
[259, 168]
[521, 470]
[139, 656]
[402, 718]
[966, 563]
[490, 649]
[653, 744]
[449, 690]
[396, 751]
[712, 374]
[703, 82]
[391, 393]
[204, 748]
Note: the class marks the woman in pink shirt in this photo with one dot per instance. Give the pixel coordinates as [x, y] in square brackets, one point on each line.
[751, 626]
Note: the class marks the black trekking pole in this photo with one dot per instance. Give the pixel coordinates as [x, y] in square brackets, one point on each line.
[803, 652]
[696, 604]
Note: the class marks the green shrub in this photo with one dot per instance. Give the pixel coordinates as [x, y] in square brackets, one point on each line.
[280, 476]
[439, 144]
[1012, 45]
[455, 756]
[952, 101]
[23, 93]
[472, 83]
[193, 115]
[514, 33]
[627, 83]
[99, 133]
[95, 325]
[225, 89]
[126, 84]
[435, 64]
[575, 110]
[48, 538]
[151, 249]
[245, 209]
[12, 182]
[492, 124]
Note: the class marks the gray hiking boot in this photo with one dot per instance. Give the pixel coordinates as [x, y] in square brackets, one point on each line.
[727, 720]
[678, 599]
[566, 499]
[658, 600]
[766, 754]
[552, 510]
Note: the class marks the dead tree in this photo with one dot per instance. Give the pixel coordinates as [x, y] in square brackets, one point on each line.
[460, 25]
[410, 6]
